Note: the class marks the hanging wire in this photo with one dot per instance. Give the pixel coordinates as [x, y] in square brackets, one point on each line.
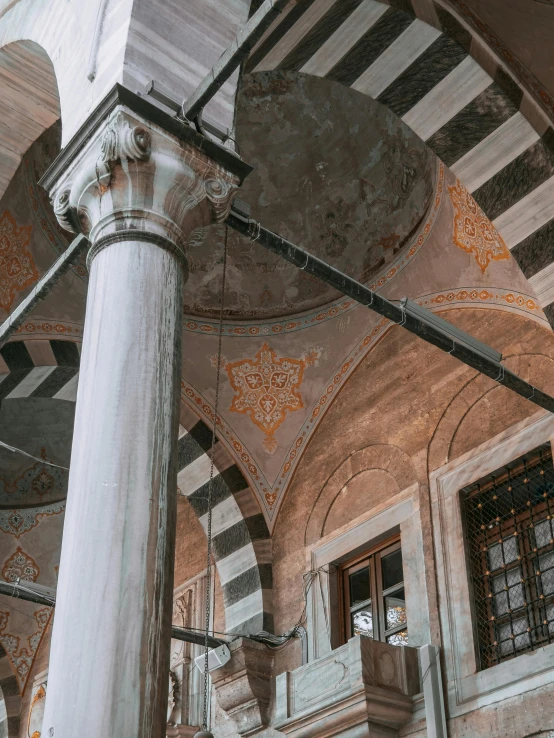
[210, 488]
[15, 450]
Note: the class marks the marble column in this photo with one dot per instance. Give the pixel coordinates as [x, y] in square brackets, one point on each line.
[140, 195]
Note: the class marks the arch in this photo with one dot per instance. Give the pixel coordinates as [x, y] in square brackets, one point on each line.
[241, 540]
[451, 437]
[389, 459]
[474, 116]
[4, 730]
[43, 368]
[241, 543]
[29, 102]
[10, 699]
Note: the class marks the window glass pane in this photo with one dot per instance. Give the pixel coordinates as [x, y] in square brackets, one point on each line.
[395, 608]
[543, 533]
[546, 567]
[508, 591]
[508, 547]
[398, 639]
[391, 567]
[362, 622]
[359, 587]
[521, 639]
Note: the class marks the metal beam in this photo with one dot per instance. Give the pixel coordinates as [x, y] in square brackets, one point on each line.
[29, 592]
[77, 247]
[232, 57]
[397, 313]
[41, 595]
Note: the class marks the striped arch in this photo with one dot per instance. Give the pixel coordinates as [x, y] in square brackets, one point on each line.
[39, 369]
[241, 542]
[10, 699]
[241, 539]
[449, 89]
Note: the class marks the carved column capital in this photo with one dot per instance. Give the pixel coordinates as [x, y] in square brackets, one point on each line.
[243, 685]
[132, 180]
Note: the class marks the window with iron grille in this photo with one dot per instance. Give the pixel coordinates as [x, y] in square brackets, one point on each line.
[508, 518]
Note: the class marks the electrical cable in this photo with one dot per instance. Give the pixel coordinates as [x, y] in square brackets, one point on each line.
[30, 456]
[276, 642]
[210, 488]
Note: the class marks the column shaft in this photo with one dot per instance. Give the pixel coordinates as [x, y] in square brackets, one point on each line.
[109, 660]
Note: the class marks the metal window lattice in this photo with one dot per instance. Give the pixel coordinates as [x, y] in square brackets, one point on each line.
[509, 528]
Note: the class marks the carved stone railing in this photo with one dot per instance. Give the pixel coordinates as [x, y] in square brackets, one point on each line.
[363, 689]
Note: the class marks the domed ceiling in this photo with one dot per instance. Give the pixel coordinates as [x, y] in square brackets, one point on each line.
[44, 429]
[353, 205]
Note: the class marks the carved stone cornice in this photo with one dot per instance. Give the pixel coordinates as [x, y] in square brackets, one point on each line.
[131, 178]
[243, 685]
[365, 688]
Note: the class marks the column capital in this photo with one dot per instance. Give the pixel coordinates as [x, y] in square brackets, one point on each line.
[135, 173]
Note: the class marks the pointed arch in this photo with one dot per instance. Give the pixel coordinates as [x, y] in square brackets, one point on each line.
[241, 543]
[241, 539]
[442, 80]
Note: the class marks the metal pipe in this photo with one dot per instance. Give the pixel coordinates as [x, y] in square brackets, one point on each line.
[40, 595]
[232, 57]
[43, 287]
[29, 592]
[393, 312]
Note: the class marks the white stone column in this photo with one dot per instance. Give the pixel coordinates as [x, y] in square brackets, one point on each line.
[139, 195]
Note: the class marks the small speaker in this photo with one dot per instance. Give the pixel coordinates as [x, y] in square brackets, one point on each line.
[216, 657]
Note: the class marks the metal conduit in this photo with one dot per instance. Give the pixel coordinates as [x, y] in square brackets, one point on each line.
[397, 313]
[232, 57]
[40, 595]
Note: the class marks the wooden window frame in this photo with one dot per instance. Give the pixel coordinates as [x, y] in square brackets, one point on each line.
[372, 558]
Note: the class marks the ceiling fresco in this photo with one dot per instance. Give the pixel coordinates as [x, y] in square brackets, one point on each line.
[33, 492]
[335, 172]
[44, 429]
[353, 205]
[339, 174]
[30, 240]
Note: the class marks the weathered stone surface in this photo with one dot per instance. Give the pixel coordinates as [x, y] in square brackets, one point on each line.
[138, 195]
[134, 177]
[363, 688]
[243, 685]
[362, 182]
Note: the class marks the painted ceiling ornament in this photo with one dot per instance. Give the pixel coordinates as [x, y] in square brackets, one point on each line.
[22, 657]
[405, 166]
[20, 565]
[267, 388]
[473, 231]
[37, 483]
[17, 267]
[17, 522]
[36, 712]
[334, 227]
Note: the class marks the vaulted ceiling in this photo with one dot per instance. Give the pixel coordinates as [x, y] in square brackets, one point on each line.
[385, 139]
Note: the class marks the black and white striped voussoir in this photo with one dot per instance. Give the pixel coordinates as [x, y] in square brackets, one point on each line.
[39, 369]
[473, 119]
[9, 694]
[241, 539]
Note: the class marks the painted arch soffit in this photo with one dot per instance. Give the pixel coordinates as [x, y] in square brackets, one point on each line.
[278, 378]
[448, 82]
